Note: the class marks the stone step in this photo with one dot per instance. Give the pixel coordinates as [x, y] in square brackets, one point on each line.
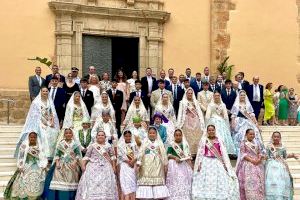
[5, 176]
[296, 178]
[297, 190]
[4, 167]
[7, 159]
[7, 150]
[293, 162]
[7, 144]
[3, 185]
[4, 138]
[295, 169]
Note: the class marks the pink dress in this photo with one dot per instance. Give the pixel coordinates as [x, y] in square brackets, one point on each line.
[251, 177]
[122, 86]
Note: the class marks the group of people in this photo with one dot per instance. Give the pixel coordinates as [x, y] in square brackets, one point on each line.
[147, 139]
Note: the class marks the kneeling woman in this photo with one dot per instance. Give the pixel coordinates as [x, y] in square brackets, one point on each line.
[152, 164]
[99, 180]
[214, 177]
[179, 177]
[64, 175]
[250, 170]
[28, 180]
[127, 157]
[279, 183]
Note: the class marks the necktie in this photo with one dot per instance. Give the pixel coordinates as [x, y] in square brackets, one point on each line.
[114, 94]
[161, 92]
[228, 92]
[53, 93]
[83, 93]
[175, 91]
[39, 80]
[199, 85]
[205, 92]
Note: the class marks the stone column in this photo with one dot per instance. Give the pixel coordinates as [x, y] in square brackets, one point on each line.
[153, 47]
[143, 51]
[77, 46]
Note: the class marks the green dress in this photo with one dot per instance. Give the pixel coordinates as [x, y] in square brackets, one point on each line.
[283, 106]
[269, 105]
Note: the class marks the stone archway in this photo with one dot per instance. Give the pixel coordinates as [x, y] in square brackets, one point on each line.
[123, 18]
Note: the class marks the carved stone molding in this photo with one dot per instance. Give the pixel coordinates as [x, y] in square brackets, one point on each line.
[220, 38]
[73, 19]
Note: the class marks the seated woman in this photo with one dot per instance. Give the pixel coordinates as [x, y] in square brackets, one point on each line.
[63, 177]
[250, 169]
[214, 177]
[179, 177]
[165, 107]
[279, 182]
[98, 181]
[31, 163]
[151, 166]
[243, 118]
[216, 113]
[127, 157]
[103, 105]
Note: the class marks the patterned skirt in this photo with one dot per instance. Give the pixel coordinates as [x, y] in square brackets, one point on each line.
[179, 180]
[127, 179]
[213, 182]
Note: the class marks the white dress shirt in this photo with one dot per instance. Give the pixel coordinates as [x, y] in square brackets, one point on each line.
[256, 93]
[39, 79]
[150, 83]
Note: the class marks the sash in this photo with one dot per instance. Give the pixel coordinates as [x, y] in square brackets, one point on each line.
[101, 150]
[179, 152]
[251, 147]
[213, 150]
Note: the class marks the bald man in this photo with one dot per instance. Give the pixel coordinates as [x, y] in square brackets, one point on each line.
[92, 71]
[255, 94]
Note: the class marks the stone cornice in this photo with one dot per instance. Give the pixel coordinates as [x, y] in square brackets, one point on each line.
[108, 12]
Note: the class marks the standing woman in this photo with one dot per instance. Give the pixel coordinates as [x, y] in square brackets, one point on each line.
[105, 83]
[94, 87]
[279, 182]
[214, 177]
[63, 177]
[103, 106]
[42, 118]
[190, 120]
[31, 163]
[250, 169]
[131, 82]
[165, 107]
[127, 157]
[243, 118]
[151, 166]
[98, 182]
[269, 115]
[293, 106]
[179, 176]
[70, 87]
[76, 111]
[123, 86]
[283, 109]
[216, 113]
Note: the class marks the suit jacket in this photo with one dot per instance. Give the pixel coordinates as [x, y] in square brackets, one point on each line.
[195, 86]
[245, 84]
[220, 86]
[155, 96]
[228, 100]
[117, 101]
[60, 98]
[145, 84]
[49, 77]
[88, 99]
[167, 83]
[178, 98]
[204, 100]
[250, 93]
[34, 86]
[217, 88]
[143, 97]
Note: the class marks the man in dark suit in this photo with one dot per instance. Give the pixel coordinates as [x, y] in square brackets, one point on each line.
[245, 84]
[58, 96]
[177, 93]
[87, 95]
[139, 92]
[220, 83]
[212, 84]
[55, 70]
[196, 83]
[116, 98]
[35, 83]
[162, 77]
[148, 85]
[92, 71]
[255, 94]
[228, 95]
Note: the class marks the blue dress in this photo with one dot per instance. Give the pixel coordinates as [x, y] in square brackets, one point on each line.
[279, 183]
[162, 130]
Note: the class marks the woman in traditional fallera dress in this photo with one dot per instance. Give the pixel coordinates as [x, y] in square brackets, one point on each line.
[243, 118]
[127, 157]
[28, 180]
[151, 166]
[63, 177]
[165, 107]
[250, 169]
[98, 181]
[214, 177]
[179, 176]
[279, 182]
[76, 111]
[42, 119]
[190, 120]
[104, 105]
[216, 114]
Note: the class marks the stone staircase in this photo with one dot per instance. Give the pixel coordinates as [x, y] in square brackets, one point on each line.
[10, 134]
[291, 140]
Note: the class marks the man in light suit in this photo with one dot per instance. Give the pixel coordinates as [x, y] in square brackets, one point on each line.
[35, 83]
[205, 96]
[156, 94]
[255, 94]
